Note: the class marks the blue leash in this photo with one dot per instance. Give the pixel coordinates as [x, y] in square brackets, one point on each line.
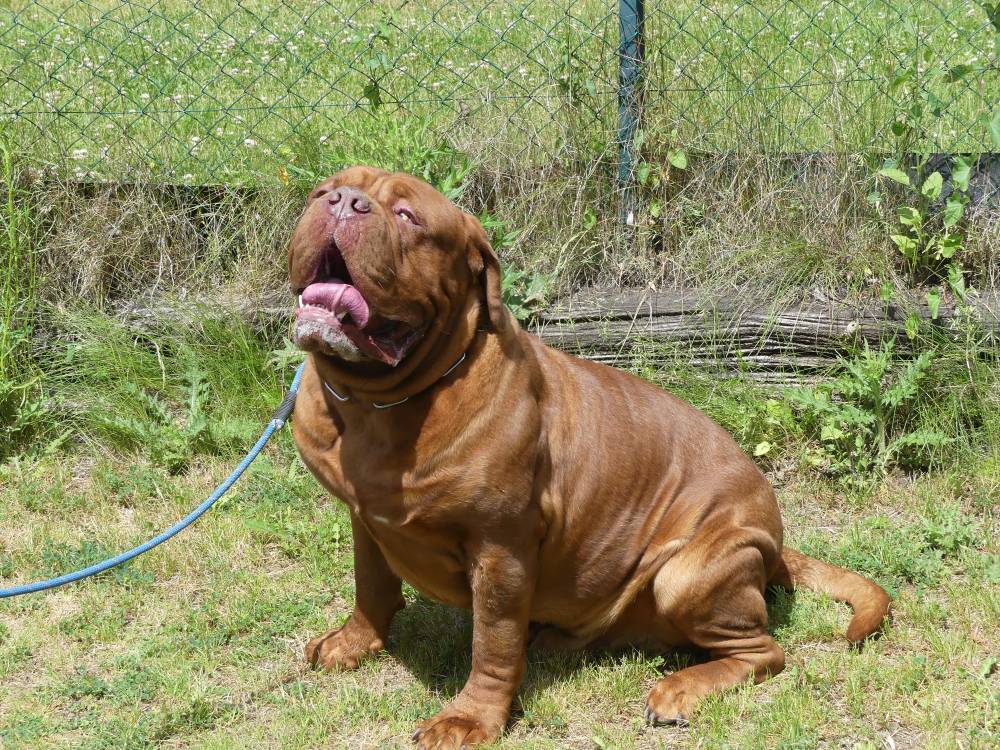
[278, 419]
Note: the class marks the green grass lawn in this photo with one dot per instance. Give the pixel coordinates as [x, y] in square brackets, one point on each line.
[199, 643]
[221, 91]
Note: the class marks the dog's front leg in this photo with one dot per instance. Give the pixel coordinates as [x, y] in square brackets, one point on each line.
[502, 582]
[378, 596]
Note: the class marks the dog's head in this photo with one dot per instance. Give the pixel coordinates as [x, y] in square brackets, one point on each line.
[378, 259]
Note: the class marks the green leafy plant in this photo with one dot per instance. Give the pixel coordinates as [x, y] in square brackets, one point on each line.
[661, 164]
[57, 557]
[771, 422]
[523, 292]
[574, 75]
[21, 408]
[387, 142]
[918, 552]
[297, 536]
[930, 234]
[376, 62]
[992, 10]
[929, 241]
[867, 420]
[170, 442]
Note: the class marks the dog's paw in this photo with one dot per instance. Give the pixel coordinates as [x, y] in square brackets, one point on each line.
[670, 703]
[453, 729]
[343, 648]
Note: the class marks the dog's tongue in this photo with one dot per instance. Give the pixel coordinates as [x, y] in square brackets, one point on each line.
[338, 297]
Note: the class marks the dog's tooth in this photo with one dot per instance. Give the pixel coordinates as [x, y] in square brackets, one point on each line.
[301, 303]
[341, 315]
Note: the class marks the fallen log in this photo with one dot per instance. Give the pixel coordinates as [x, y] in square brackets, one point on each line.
[773, 343]
[767, 343]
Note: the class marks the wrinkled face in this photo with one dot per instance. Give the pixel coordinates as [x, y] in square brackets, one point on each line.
[375, 260]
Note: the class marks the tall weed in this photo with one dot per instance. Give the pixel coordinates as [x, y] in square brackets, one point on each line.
[20, 399]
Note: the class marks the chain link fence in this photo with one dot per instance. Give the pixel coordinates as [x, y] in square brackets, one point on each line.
[251, 91]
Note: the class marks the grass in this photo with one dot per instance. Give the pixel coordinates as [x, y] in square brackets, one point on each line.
[224, 91]
[198, 644]
[19, 380]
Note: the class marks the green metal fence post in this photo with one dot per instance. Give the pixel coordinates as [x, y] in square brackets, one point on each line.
[631, 63]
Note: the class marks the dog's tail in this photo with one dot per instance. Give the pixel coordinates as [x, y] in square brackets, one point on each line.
[869, 600]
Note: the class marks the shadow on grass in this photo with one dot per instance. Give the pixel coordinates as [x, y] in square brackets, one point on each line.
[780, 603]
[434, 642]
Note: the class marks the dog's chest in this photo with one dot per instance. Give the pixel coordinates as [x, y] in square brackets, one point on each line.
[415, 500]
[421, 534]
[404, 467]
[424, 484]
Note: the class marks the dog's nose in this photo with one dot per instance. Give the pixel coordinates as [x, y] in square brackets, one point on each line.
[346, 202]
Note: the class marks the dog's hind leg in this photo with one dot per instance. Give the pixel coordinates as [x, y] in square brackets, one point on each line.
[713, 596]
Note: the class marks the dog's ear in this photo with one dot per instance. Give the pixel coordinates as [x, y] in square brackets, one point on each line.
[486, 268]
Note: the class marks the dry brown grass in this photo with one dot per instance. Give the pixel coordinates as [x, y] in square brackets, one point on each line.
[741, 225]
[102, 244]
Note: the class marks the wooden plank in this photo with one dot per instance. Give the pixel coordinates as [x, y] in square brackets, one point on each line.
[804, 338]
[772, 343]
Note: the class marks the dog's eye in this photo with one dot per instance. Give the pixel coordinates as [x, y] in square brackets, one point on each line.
[406, 215]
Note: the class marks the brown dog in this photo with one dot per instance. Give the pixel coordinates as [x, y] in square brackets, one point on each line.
[494, 473]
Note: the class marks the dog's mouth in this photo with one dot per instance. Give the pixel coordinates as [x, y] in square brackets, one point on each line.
[331, 309]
